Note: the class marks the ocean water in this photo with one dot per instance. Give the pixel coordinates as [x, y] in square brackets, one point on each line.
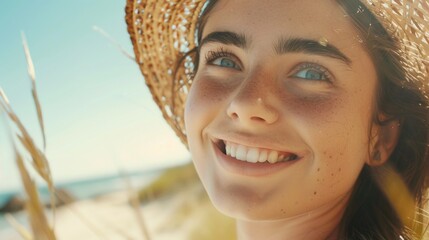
[84, 189]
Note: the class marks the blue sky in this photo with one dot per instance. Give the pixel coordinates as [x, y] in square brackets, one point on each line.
[98, 113]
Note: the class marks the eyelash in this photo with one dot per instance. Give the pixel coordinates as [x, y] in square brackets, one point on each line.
[219, 53]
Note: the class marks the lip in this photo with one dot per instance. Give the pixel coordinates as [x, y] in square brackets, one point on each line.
[238, 167]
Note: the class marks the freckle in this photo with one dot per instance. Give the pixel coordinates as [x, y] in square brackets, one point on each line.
[339, 169]
[318, 169]
[324, 152]
[315, 193]
[332, 174]
[318, 180]
[296, 203]
[330, 156]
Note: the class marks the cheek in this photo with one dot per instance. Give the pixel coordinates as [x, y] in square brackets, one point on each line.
[206, 89]
[335, 129]
[201, 109]
[340, 118]
[202, 104]
[205, 102]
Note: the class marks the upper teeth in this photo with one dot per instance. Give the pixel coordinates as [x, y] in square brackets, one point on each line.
[254, 155]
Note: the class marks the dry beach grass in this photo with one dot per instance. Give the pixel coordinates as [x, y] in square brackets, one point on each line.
[40, 227]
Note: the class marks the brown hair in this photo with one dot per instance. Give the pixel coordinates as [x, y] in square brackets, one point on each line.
[370, 214]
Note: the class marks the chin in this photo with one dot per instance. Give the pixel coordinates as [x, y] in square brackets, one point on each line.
[242, 203]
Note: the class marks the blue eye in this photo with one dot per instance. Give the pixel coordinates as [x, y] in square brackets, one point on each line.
[310, 74]
[225, 62]
[313, 72]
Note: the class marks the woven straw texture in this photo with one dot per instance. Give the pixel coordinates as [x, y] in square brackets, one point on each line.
[408, 23]
[162, 31]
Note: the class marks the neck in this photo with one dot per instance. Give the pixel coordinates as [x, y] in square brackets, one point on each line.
[319, 224]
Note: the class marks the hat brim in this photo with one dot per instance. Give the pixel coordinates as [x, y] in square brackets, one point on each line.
[161, 33]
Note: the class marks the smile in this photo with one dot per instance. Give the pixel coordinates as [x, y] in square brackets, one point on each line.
[253, 154]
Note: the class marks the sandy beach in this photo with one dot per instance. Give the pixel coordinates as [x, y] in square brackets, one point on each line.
[110, 217]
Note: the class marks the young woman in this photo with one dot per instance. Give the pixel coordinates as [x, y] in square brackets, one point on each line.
[305, 119]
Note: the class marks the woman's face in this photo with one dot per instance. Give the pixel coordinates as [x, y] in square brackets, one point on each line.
[280, 108]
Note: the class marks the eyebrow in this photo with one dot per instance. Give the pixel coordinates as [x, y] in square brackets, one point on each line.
[297, 45]
[227, 38]
[283, 46]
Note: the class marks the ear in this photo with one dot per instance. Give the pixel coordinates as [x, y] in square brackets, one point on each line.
[383, 141]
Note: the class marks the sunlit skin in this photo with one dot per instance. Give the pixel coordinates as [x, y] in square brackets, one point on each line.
[315, 105]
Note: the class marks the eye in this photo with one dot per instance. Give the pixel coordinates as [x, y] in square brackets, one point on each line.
[225, 62]
[222, 58]
[312, 71]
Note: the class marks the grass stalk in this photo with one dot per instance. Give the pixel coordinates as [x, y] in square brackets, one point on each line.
[18, 227]
[135, 204]
[39, 224]
[39, 160]
[92, 227]
[32, 75]
[114, 42]
[41, 229]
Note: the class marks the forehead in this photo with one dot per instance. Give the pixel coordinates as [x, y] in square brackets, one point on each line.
[270, 19]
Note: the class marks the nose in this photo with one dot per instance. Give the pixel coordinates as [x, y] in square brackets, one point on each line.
[251, 106]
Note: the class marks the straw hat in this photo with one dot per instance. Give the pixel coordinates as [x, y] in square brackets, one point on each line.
[162, 31]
